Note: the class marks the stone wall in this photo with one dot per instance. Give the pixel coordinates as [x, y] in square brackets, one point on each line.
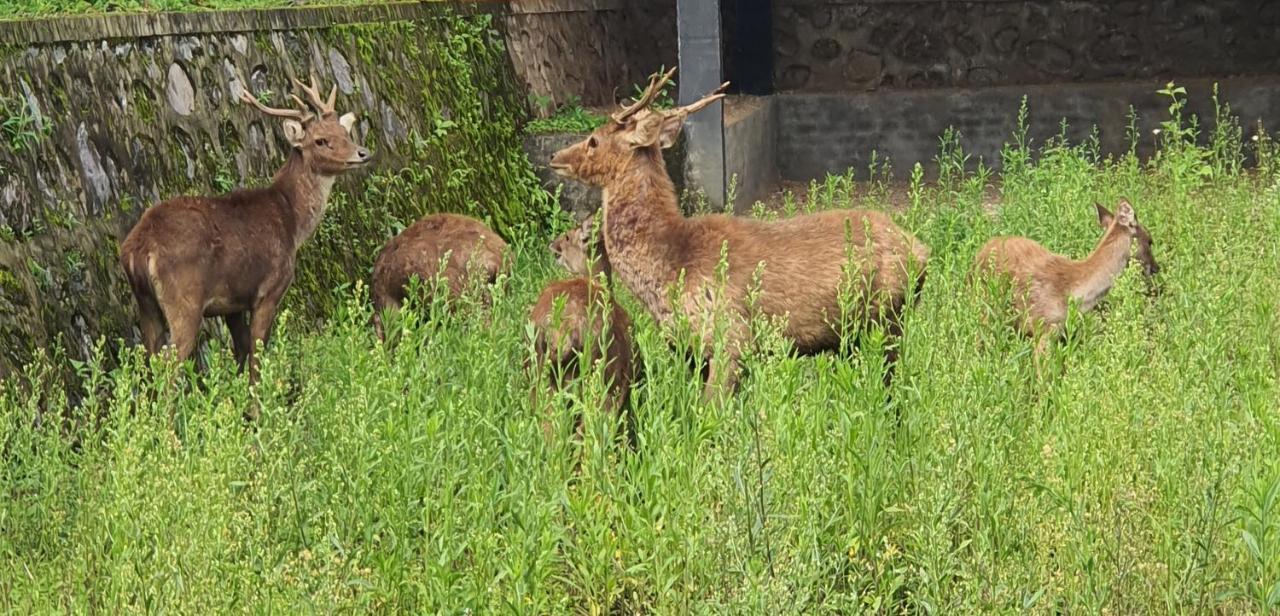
[823, 133]
[849, 45]
[109, 115]
[590, 50]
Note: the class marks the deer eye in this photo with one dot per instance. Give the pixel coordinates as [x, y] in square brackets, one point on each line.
[591, 141]
[322, 142]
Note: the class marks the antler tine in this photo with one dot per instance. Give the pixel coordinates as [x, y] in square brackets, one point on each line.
[333, 98]
[301, 116]
[313, 93]
[697, 105]
[650, 93]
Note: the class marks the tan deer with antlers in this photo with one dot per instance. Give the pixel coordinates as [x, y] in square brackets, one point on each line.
[1042, 283]
[804, 261]
[233, 256]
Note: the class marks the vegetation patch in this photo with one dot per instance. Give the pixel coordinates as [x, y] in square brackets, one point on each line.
[1139, 475]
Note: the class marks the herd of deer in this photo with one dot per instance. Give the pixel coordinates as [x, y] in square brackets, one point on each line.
[234, 256]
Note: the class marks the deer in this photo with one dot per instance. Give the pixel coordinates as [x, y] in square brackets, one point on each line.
[669, 261]
[234, 256]
[577, 320]
[1043, 283]
[461, 250]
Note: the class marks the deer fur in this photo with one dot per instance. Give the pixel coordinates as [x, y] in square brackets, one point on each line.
[462, 250]
[1042, 283]
[806, 259]
[233, 256]
[565, 338]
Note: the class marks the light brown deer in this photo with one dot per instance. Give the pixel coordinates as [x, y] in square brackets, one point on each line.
[469, 252]
[806, 259]
[565, 338]
[1042, 283]
[234, 255]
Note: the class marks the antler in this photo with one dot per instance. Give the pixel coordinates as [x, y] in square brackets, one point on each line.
[301, 116]
[697, 105]
[325, 107]
[656, 82]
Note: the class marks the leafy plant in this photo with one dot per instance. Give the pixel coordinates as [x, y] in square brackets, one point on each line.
[570, 118]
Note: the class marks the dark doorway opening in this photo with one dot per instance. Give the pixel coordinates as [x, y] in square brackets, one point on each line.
[748, 45]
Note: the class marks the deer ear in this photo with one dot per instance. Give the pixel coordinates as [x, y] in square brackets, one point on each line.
[645, 132]
[670, 130]
[294, 132]
[348, 121]
[1104, 216]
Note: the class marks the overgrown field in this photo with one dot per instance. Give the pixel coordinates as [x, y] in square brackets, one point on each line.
[1142, 476]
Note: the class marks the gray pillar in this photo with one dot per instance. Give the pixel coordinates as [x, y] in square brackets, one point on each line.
[698, 23]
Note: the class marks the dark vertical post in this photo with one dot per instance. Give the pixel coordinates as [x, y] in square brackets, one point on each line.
[698, 32]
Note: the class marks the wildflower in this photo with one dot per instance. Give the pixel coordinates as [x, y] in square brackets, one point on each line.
[1155, 132]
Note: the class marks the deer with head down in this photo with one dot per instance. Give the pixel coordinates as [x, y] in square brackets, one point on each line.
[578, 324]
[804, 261]
[460, 249]
[1043, 283]
[233, 256]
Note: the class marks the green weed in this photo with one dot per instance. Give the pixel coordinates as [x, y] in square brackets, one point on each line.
[1141, 478]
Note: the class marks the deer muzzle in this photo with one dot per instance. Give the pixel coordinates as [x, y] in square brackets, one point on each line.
[360, 158]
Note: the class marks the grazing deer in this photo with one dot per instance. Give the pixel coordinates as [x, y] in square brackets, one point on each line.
[234, 255]
[807, 260]
[564, 338]
[1042, 283]
[469, 252]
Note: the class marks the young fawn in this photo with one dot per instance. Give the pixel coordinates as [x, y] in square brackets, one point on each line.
[1042, 283]
[469, 252]
[578, 331]
[234, 256]
[805, 262]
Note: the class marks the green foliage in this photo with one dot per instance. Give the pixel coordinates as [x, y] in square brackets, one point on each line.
[19, 127]
[1140, 477]
[570, 118]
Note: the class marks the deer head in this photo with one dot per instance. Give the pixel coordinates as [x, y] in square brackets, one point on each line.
[318, 134]
[1127, 221]
[635, 129]
[581, 250]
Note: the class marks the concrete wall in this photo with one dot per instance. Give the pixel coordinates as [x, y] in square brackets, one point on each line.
[829, 133]
[750, 139]
[851, 45]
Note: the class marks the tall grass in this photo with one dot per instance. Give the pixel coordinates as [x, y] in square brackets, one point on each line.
[1143, 476]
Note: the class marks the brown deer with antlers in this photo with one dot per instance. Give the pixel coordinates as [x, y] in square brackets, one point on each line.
[589, 326]
[460, 249]
[804, 261]
[1042, 283]
[233, 256]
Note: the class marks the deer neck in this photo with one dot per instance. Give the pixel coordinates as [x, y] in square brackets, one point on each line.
[307, 194]
[642, 227]
[1092, 278]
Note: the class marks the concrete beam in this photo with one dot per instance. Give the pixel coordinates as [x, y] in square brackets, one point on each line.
[698, 32]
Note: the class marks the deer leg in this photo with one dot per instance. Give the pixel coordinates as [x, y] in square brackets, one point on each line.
[184, 328]
[150, 323]
[264, 316]
[241, 342]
